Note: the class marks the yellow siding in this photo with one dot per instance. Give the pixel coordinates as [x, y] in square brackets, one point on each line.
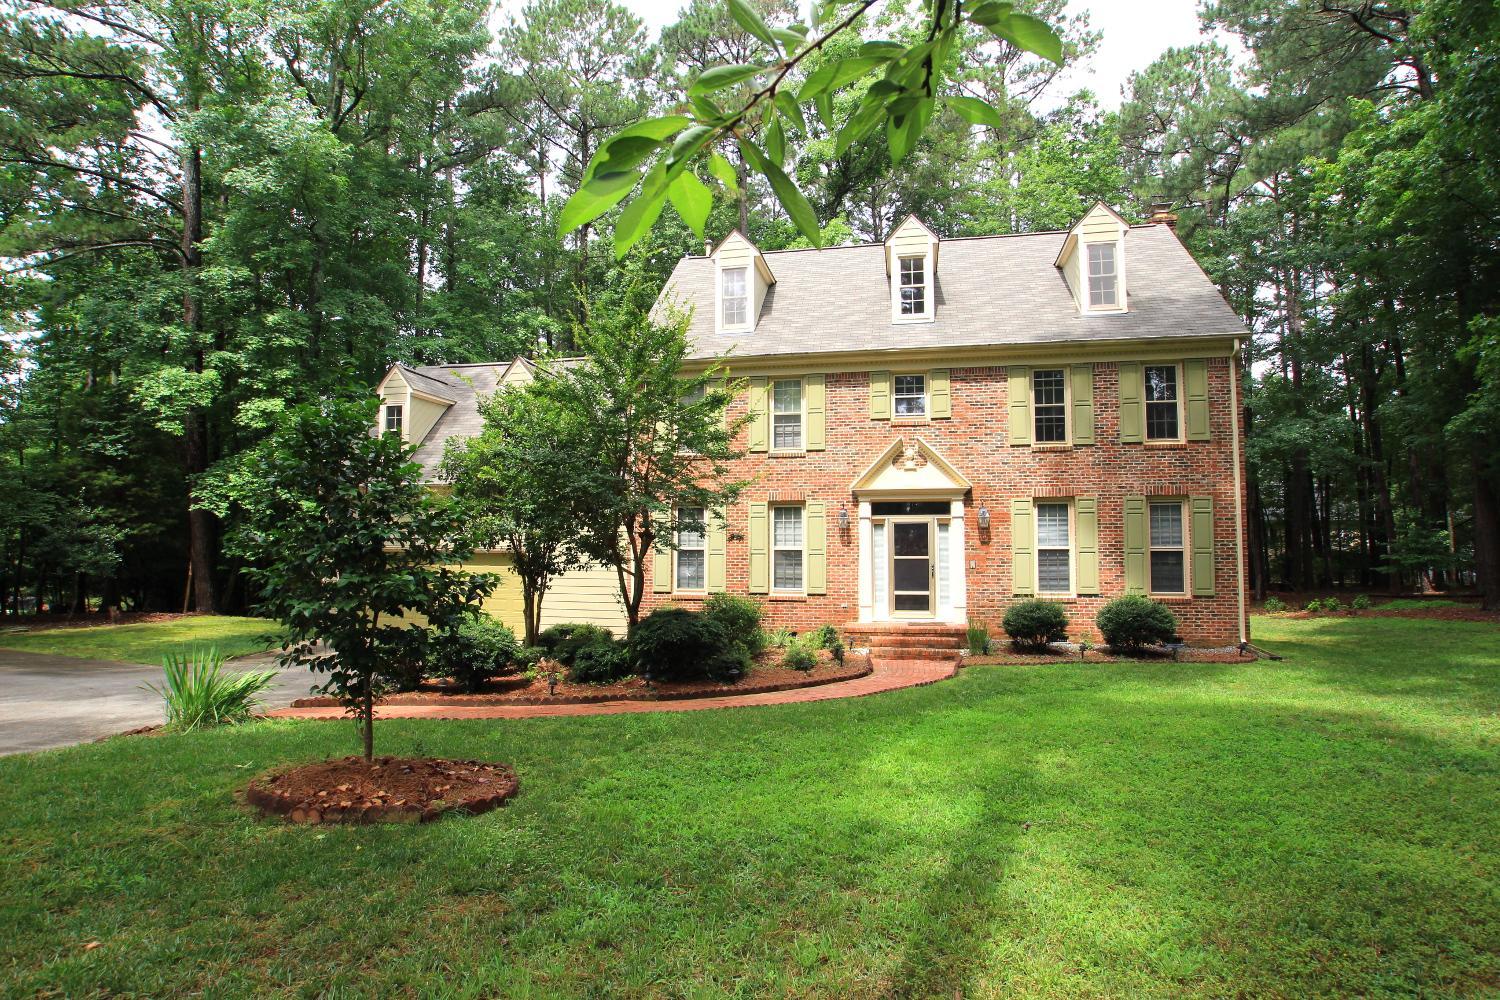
[589, 596]
[420, 416]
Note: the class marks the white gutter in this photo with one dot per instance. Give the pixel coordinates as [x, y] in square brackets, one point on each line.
[1239, 492]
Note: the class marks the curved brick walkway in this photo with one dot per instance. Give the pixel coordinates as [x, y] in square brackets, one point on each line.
[885, 675]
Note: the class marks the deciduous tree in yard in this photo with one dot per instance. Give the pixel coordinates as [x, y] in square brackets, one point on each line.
[345, 543]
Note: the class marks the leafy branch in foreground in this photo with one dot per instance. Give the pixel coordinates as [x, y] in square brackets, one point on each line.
[655, 158]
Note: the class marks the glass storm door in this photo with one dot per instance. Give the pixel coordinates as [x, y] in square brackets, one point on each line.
[911, 568]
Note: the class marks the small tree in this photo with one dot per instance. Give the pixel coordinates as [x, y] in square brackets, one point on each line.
[345, 542]
[506, 480]
[646, 438]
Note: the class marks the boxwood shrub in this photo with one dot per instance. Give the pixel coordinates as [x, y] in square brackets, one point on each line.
[740, 618]
[1135, 621]
[476, 649]
[678, 645]
[1033, 624]
[601, 661]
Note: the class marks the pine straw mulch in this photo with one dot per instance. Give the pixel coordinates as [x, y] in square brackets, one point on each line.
[50, 621]
[383, 790]
[1096, 655]
[766, 675]
[1471, 614]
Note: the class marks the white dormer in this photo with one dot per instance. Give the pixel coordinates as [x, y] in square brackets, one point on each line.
[911, 255]
[1092, 260]
[741, 279]
[410, 403]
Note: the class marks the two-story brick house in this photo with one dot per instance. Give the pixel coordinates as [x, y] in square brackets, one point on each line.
[938, 428]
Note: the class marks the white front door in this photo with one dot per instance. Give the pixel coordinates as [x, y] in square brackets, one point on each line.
[913, 569]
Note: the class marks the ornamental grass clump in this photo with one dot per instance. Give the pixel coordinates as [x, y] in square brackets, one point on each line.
[199, 694]
[978, 637]
[1035, 624]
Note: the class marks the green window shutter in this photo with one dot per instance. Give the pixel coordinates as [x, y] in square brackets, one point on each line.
[1135, 545]
[1195, 375]
[1019, 393]
[815, 537]
[1086, 526]
[817, 424]
[880, 395]
[661, 557]
[1132, 404]
[940, 394]
[1202, 537]
[717, 572]
[760, 548]
[1022, 549]
[760, 416]
[1083, 403]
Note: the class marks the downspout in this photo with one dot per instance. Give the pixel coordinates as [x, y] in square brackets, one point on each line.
[1239, 491]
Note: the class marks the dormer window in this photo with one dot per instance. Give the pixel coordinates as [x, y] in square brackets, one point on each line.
[913, 286]
[735, 296]
[393, 420]
[1103, 277]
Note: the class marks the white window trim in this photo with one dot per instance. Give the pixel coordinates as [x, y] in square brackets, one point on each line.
[1036, 547]
[926, 413]
[1067, 375]
[678, 549]
[801, 416]
[749, 323]
[1186, 547]
[1081, 252]
[928, 284]
[774, 548]
[400, 427]
[1146, 404]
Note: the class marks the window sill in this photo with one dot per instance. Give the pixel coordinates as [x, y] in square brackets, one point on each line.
[1166, 445]
[794, 598]
[689, 595]
[1171, 598]
[910, 421]
[1053, 446]
[800, 453]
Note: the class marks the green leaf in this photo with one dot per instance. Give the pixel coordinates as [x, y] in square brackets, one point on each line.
[902, 130]
[882, 50]
[824, 101]
[792, 37]
[1030, 34]
[974, 111]
[792, 199]
[616, 151]
[724, 171]
[641, 214]
[689, 142]
[723, 76]
[595, 197]
[748, 18]
[791, 110]
[692, 199]
[835, 75]
[776, 143]
[864, 120]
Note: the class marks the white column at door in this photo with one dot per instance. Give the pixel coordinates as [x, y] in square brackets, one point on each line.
[866, 583]
[958, 560]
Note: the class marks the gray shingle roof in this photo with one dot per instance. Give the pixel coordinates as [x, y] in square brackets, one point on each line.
[464, 384]
[990, 291]
[419, 379]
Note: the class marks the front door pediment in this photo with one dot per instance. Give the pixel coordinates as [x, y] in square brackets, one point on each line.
[910, 469]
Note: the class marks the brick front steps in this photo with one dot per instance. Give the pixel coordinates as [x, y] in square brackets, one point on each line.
[938, 642]
[885, 675]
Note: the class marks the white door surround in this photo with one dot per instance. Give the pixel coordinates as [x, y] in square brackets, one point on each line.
[911, 482]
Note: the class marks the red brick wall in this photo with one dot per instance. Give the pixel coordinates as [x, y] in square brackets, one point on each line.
[974, 441]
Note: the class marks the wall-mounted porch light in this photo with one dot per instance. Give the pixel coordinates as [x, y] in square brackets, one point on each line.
[984, 517]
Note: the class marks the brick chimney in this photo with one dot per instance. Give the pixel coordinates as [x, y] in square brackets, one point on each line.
[1162, 214]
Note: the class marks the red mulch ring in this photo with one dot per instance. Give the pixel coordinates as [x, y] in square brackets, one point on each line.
[766, 675]
[385, 790]
[1095, 656]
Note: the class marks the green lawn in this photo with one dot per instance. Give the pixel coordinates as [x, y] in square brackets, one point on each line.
[1329, 825]
[146, 642]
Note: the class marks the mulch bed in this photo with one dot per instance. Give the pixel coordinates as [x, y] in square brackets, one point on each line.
[385, 790]
[46, 622]
[765, 676]
[1186, 655]
[1430, 614]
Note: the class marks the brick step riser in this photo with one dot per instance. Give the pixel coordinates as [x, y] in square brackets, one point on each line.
[944, 630]
[913, 641]
[907, 653]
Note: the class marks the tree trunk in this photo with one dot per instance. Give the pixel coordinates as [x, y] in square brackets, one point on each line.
[201, 524]
[367, 715]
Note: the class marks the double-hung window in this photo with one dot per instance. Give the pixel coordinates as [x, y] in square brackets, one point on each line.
[911, 395]
[786, 548]
[735, 296]
[1049, 404]
[1162, 418]
[1103, 278]
[913, 286]
[690, 548]
[1168, 553]
[786, 414]
[1054, 549]
[393, 419]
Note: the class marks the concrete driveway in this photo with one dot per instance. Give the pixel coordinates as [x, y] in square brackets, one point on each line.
[55, 701]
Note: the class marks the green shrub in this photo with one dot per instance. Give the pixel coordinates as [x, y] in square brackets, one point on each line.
[1361, 602]
[550, 638]
[676, 644]
[198, 693]
[739, 617]
[478, 648]
[1313, 605]
[528, 658]
[823, 637]
[1134, 621]
[572, 638]
[1332, 605]
[979, 639]
[780, 638]
[1033, 624]
[799, 655]
[599, 662]
[1274, 605]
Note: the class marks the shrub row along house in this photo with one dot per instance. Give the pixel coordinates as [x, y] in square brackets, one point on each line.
[937, 428]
